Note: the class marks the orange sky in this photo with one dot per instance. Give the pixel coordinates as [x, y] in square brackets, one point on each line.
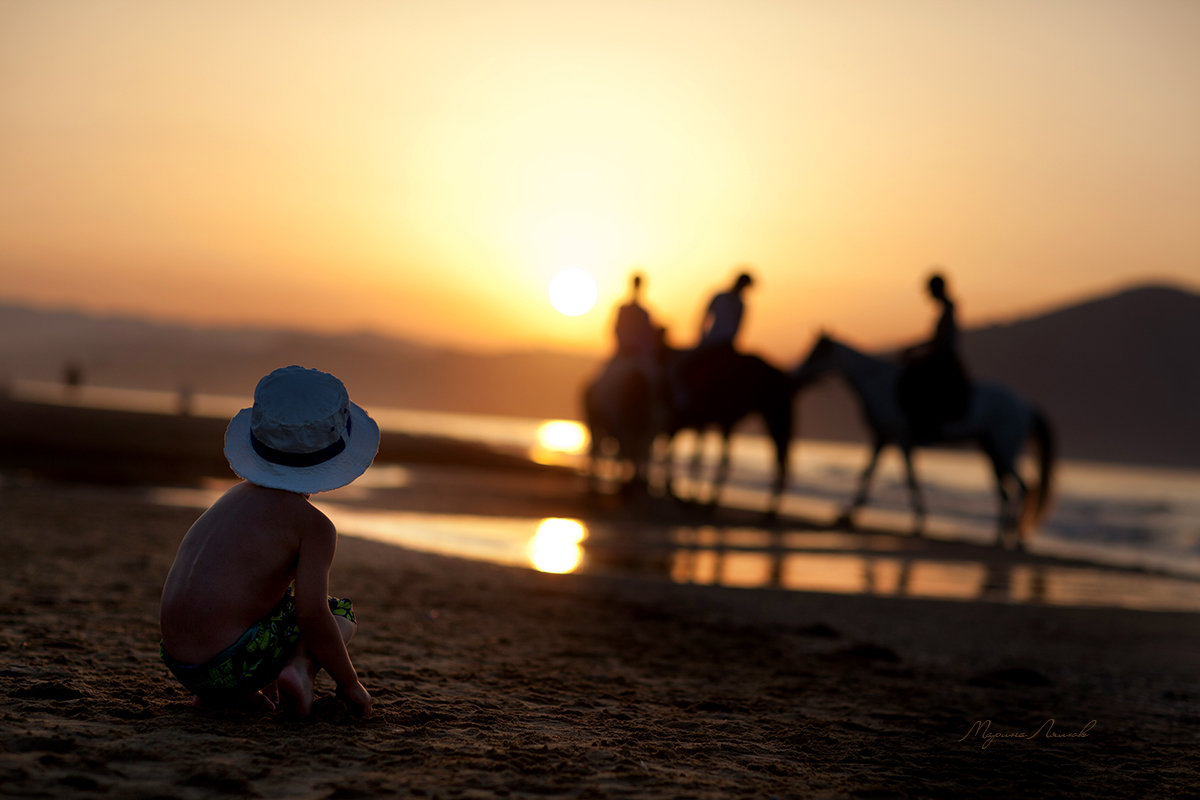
[423, 169]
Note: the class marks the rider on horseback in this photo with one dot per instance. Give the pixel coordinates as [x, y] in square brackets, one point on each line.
[639, 341]
[703, 366]
[933, 389]
[723, 317]
[636, 334]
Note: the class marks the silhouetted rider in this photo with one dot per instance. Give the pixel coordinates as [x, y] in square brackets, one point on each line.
[639, 341]
[934, 388]
[699, 371]
[723, 317]
[636, 334]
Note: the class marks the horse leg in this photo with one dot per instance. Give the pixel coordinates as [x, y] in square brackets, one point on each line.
[667, 459]
[722, 468]
[1003, 517]
[640, 453]
[638, 463]
[697, 463]
[846, 520]
[637, 482]
[1008, 513]
[780, 426]
[914, 492]
[1018, 505]
[780, 481]
[1008, 517]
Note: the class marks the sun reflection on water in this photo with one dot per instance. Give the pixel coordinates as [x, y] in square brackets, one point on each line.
[557, 546]
[744, 558]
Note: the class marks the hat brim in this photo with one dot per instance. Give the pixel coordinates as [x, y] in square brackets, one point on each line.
[361, 447]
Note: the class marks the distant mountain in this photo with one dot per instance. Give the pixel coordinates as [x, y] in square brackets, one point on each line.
[1119, 376]
[114, 351]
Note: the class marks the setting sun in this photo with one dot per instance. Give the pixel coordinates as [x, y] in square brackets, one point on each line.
[573, 292]
[424, 172]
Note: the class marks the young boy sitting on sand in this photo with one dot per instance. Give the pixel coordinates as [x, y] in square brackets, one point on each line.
[245, 608]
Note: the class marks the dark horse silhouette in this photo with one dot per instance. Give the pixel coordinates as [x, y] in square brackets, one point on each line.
[623, 417]
[722, 389]
[1001, 422]
[727, 388]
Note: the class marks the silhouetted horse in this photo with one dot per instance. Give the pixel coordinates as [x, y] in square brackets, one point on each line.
[996, 418]
[624, 414]
[723, 389]
[623, 419]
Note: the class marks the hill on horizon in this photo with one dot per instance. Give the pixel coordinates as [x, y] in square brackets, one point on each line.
[1118, 376]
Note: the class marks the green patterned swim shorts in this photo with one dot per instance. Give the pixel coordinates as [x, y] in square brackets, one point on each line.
[255, 659]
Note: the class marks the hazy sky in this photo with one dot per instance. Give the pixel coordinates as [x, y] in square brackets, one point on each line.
[424, 168]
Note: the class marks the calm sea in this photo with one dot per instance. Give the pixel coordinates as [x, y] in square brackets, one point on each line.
[1146, 521]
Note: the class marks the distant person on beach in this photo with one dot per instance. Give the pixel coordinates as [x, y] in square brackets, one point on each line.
[185, 400]
[245, 609]
[72, 378]
[933, 387]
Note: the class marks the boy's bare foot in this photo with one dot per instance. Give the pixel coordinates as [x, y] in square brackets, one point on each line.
[263, 699]
[357, 696]
[271, 692]
[296, 682]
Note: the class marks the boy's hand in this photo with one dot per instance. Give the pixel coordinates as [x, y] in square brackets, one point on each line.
[358, 695]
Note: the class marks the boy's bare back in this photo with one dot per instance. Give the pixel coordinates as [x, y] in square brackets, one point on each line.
[232, 567]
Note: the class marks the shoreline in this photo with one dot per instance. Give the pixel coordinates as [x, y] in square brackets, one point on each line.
[686, 543]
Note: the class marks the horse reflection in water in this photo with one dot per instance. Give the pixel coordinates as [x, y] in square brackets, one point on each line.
[998, 420]
[626, 411]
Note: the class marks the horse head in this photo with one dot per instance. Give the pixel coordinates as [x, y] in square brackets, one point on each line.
[818, 362]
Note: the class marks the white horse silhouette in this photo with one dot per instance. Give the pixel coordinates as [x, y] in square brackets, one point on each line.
[1000, 421]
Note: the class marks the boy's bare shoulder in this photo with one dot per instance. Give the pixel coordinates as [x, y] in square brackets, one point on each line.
[290, 506]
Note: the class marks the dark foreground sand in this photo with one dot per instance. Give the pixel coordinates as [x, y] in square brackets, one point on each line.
[499, 682]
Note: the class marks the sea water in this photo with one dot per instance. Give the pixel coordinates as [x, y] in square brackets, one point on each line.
[1143, 520]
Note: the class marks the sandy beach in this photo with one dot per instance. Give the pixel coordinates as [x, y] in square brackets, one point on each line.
[495, 681]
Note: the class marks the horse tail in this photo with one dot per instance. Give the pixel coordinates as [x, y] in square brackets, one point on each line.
[1037, 502]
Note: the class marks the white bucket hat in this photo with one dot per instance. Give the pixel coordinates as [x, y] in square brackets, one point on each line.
[302, 434]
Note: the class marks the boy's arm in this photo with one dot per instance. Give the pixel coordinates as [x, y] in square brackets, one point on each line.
[321, 634]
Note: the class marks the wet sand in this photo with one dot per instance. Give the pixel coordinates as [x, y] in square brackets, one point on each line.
[496, 681]
[503, 682]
